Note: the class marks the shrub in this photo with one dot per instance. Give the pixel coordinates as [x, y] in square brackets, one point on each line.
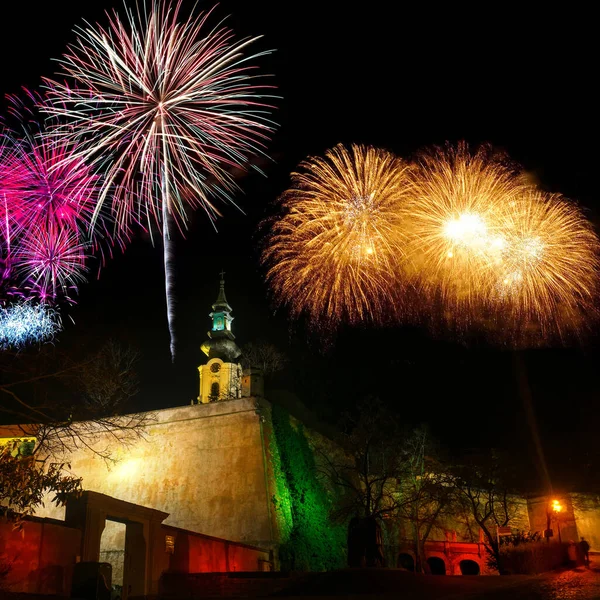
[531, 557]
[310, 540]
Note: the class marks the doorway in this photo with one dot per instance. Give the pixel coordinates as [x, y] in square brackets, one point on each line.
[406, 561]
[123, 546]
[468, 567]
[112, 551]
[436, 565]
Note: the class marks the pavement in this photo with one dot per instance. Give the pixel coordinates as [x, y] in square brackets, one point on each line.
[574, 584]
[388, 584]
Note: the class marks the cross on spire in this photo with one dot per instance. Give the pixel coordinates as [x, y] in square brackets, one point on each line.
[222, 274]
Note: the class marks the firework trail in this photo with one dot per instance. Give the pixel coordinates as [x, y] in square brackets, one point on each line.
[335, 252]
[166, 107]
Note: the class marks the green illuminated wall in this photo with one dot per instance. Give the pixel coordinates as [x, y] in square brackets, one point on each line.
[309, 539]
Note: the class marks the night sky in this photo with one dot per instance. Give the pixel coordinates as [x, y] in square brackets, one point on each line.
[402, 79]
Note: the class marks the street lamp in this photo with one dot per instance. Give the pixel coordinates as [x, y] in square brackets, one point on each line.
[556, 509]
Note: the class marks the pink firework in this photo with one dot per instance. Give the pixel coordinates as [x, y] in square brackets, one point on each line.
[168, 106]
[38, 193]
[48, 183]
[9, 209]
[48, 197]
[51, 261]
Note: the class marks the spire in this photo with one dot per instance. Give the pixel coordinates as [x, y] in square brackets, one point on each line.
[221, 301]
[220, 343]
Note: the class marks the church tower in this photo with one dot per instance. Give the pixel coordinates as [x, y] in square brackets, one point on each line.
[221, 376]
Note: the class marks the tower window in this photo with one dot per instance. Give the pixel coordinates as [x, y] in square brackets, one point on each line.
[215, 367]
[214, 391]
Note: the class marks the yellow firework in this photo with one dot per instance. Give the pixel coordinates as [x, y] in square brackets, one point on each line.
[453, 216]
[491, 247]
[336, 251]
[547, 270]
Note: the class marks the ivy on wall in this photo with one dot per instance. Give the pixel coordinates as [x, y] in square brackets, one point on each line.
[310, 540]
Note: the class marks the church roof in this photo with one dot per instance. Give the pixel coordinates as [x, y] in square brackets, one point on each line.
[221, 301]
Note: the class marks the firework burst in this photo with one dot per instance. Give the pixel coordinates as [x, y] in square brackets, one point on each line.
[167, 107]
[51, 259]
[547, 265]
[452, 218]
[335, 252]
[486, 245]
[24, 323]
[49, 197]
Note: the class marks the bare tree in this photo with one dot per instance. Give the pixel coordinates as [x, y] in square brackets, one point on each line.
[264, 356]
[366, 470]
[369, 464]
[426, 490]
[483, 486]
[57, 405]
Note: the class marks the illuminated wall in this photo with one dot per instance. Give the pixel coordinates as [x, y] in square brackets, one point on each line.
[586, 509]
[204, 464]
[41, 557]
[540, 506]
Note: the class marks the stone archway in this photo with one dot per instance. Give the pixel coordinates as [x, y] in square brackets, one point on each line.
[437, 566]
[406, 561]
[89, 513]
[469, 567]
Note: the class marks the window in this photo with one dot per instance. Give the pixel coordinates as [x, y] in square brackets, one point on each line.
[214, 391]
[215, 367]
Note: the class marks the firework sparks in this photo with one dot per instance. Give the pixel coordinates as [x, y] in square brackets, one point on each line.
[52, 259]
[167, 107]
[49, 198]
[452, 218]
[24, 323]
[488, 244]
[547, 268]
[335, 252]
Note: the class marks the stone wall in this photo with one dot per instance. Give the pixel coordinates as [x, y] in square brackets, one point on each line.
[196, 553]
[586, 510]
[203, 464]
[538, 509]
[41, 556]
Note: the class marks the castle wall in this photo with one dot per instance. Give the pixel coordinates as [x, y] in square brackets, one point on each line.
[202, 464]
[40, 558]
[197, 553]
[566, 522]
[586, 509]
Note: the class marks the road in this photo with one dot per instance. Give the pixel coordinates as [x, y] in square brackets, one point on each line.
[576, 584]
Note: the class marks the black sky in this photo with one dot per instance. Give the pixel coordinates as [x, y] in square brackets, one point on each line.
[396, 75]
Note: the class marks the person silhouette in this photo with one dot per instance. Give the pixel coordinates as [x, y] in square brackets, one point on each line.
[585, 551]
